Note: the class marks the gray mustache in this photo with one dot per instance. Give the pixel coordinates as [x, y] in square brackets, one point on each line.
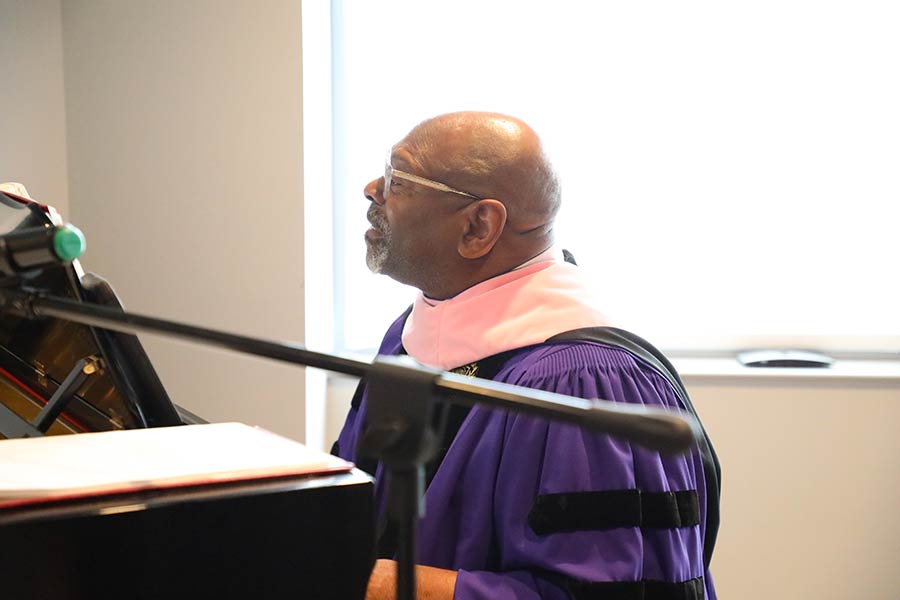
[377, 220]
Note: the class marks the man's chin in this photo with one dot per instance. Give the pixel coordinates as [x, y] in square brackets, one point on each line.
[375, 260]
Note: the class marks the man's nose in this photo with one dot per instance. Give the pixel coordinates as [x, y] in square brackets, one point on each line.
[374, 191]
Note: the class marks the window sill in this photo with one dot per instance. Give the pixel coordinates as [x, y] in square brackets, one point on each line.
[844, 371]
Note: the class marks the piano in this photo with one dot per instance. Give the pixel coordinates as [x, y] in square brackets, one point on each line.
[121, 391]
[288, 537]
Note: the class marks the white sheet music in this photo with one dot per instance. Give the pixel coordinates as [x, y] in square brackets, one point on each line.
[146, 458]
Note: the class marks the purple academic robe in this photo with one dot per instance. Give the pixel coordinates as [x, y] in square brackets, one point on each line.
[500, 463]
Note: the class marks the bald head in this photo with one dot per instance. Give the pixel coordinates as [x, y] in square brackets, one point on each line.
[472, 195]
[493, 156]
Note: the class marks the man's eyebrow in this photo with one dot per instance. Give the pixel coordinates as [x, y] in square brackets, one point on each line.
[403, 160]
[402, 165]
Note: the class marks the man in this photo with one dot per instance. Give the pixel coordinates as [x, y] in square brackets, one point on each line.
[519, 507]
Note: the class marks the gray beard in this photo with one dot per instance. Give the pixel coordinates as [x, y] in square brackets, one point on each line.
[377, 252]
[376, 256]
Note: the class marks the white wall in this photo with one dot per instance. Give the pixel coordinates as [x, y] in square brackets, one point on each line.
[32, 111]
[184, 142]
[811, 487]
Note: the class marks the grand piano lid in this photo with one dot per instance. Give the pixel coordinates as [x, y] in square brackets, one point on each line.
[36, 357]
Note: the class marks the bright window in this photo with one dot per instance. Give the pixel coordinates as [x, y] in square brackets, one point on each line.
[730, 170]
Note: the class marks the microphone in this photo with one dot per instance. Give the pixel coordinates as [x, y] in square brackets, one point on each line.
[27, 249]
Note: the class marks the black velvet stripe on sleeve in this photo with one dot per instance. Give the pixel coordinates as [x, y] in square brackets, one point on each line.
[670, 510]
[692, 589]
[592, 511]
[641, 348]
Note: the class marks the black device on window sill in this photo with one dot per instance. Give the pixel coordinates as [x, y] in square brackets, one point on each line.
[804, 359]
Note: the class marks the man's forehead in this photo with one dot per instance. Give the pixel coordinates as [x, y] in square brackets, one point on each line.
[425, 147]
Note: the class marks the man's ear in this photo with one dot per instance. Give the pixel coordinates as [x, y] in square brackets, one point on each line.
[484, 223]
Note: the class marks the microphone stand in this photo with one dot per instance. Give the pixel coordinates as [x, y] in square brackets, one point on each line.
[402, 395]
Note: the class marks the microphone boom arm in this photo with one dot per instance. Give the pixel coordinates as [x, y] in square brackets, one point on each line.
[658, 429]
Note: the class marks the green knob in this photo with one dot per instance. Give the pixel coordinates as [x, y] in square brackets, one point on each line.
[69, 242]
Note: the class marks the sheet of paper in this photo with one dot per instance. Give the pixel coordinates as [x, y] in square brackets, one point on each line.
[147, 458]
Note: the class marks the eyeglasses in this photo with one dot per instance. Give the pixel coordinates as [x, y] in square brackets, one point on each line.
[390, 173]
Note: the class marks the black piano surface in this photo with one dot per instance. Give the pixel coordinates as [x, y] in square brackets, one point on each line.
[291, 538]
[300, 537]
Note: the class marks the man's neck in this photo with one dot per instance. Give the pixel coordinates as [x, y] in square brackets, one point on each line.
[484, 273]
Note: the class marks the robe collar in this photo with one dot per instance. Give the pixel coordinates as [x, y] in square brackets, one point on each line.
[539, 299]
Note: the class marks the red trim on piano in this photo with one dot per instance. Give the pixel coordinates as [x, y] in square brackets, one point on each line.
[72, 422]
